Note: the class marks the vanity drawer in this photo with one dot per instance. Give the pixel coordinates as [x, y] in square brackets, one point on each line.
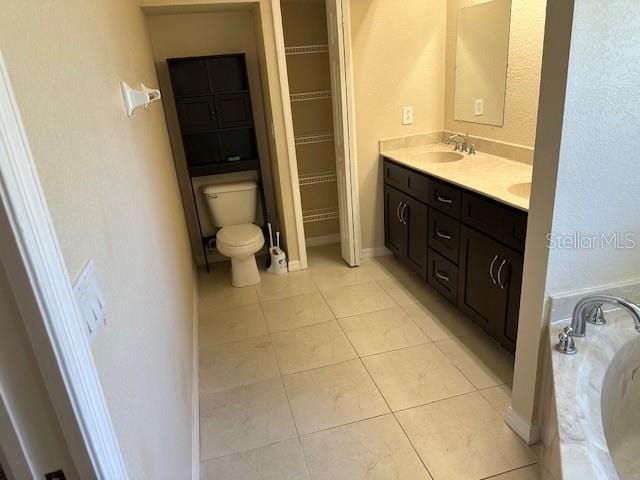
[442, 275]
[445, 198]
[506, 224]
[444, 235]
[417, 185]
[395, 175]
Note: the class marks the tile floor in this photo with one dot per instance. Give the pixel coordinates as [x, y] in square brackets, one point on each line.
[336, 373]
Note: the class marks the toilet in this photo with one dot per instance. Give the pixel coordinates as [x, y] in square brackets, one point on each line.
[233, 208]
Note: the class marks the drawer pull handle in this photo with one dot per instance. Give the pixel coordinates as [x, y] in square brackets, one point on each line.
[444, 277]
[443, 235]
[442, 199]
[398, 212]
[493, 264]
[504, 262]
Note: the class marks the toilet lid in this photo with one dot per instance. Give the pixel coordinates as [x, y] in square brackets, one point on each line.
[240, 235]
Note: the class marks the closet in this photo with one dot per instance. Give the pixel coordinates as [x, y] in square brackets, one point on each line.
[308, 67]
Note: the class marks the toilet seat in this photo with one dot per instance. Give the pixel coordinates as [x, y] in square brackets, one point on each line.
[240, 235]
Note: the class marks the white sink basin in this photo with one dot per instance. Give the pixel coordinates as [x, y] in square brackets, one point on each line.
[440, 157]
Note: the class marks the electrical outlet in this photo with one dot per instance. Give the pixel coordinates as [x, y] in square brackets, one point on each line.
[478, 107]
[407, 115]
[90, 300]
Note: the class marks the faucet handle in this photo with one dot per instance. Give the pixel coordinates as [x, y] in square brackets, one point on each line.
[472, 149]
[595, 315]
[566, 344]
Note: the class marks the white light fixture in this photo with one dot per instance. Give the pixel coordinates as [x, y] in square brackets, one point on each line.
[138, 98]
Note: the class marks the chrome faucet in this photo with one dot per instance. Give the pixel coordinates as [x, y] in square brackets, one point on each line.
[461, 143]
[589, 310]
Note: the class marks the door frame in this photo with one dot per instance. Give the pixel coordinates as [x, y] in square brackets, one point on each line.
[32, 258]
[351, 163]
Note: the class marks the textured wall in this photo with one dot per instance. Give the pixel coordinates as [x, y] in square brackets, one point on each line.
[597, 187]
[523, 74]
[398, 56]
[111, 187]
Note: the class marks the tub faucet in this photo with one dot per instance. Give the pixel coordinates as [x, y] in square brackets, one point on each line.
[589, 310]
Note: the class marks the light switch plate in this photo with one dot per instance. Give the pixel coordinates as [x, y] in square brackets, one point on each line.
[478, 107]
[407, 115]
[90, 300]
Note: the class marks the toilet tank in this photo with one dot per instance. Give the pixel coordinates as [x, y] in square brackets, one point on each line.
[232, 203]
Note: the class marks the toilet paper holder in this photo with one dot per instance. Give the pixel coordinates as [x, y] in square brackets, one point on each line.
[138, 98]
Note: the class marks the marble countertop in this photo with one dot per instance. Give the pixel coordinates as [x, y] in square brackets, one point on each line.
[504, 180]
[578, 382]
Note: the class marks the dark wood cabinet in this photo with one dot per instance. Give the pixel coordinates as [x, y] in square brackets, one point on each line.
[406, 229]
[489, 285]
[467, 247]
[214, 110]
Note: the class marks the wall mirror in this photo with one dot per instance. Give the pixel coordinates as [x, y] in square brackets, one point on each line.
[481, 61]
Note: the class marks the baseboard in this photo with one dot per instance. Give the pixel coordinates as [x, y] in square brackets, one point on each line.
[294, 265]
[529, 433]
[195, 394]
[375, 252]
[324, 240]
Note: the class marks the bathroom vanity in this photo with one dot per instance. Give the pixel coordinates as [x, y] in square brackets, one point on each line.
[459, 221]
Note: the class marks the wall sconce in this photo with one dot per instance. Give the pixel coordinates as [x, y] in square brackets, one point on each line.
[138, 98]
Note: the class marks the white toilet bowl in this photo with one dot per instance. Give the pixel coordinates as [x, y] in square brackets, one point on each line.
[241, 243]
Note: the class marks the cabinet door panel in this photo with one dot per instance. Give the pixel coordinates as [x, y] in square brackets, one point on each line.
[395, 175]
[444, 235]
[415, 216]
[394, 228]
[189, 77]
[442, 275]
[234, 110]
[196, 114]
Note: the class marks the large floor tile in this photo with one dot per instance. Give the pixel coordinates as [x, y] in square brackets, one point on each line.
[357, 299]
[374, 449]
[464, 438]
[332, 396]
[216, 297]
[244, 418]
[279, 461]
[409, 289]
[274, 287]
[230, 325]
[414, 376]
[499, 397]
[233, 364]
[532, 472]
[382, 331]
[385, 266]
[311, 347]
[295, 312]
[333, 275]
[324, 254]
[440, 320]
[480, 359]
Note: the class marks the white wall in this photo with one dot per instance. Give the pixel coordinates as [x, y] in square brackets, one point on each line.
[24, 394]
[111, 186]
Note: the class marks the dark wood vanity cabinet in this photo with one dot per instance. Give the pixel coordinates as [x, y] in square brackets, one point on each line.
[406, 229]
[467, 247]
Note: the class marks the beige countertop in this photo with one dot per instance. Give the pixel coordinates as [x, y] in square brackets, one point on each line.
[504, 180]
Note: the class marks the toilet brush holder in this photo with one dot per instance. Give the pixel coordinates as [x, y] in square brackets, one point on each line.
[278, 261]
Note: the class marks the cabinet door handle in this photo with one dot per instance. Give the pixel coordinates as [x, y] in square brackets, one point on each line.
[402, 217]
[493, 264]
[504, 262]
[444, 277]
[443, 235]
[398, 212]
[442, 199]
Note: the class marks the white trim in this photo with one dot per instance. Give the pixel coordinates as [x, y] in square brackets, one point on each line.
[195, 388]
[289, 132]
[295, 266]
[529, 433]
[376, 252]
[324, 240]
[31, 255]
[13, 455]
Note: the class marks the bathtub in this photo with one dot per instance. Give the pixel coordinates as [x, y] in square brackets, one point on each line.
[597, 396]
